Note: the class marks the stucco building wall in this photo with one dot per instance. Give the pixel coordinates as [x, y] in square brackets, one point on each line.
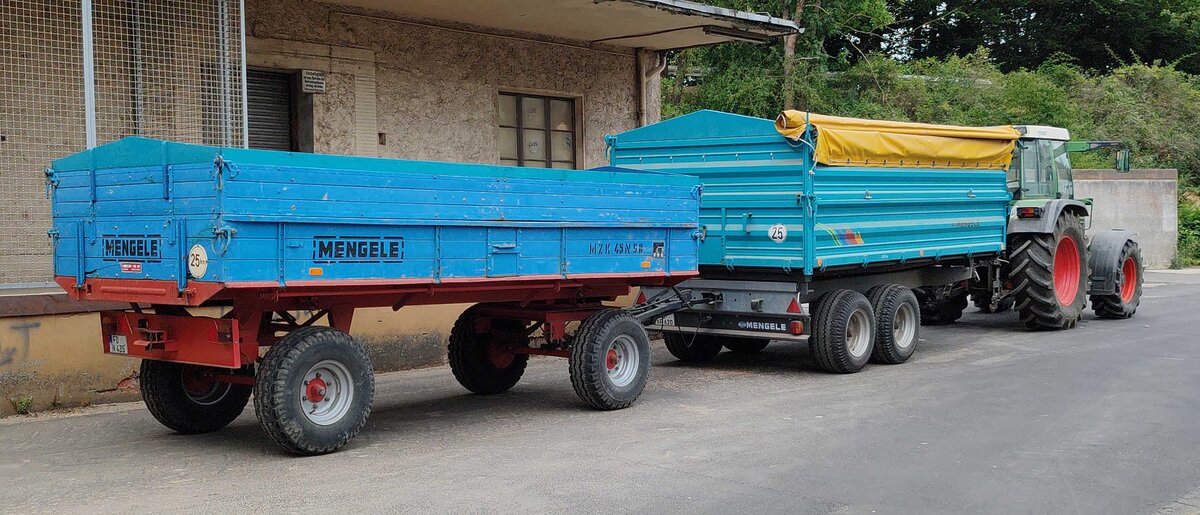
[436, 87]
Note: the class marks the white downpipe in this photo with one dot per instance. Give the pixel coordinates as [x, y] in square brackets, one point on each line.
[89, 76]
[245, 96]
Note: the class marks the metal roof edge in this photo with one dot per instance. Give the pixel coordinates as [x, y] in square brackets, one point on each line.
[696, 8]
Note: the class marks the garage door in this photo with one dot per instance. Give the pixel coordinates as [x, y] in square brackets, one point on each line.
[269, 97]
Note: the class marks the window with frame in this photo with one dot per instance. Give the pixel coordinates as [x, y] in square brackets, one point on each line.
[537, 131]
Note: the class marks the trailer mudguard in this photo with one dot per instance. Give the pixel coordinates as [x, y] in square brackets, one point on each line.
[1104, 260]
[1045, 224]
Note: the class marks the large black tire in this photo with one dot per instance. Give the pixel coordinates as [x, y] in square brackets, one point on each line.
[610, 359]
[983, 301]
[478, 360]
[1042, 290]
[897, 323]
[843, 332]
[938, 308]
[1124, 302]
[692, 348]
[745, 345]
[282, 381]
[187, 399]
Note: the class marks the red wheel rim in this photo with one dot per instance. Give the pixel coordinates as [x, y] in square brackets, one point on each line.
[1066, 270]
[1129, 285]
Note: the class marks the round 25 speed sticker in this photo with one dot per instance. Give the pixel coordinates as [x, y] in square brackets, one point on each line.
[778, 233]
[197, 261]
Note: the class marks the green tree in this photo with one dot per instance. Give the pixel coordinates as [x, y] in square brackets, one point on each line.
[1098, 34]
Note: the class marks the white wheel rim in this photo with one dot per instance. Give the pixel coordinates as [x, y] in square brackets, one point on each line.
[622, 360]
[858, 334]
[326, 393]
[904, 326]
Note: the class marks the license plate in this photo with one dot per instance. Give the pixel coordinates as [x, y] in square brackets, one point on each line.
[117, 344]
[666, 321]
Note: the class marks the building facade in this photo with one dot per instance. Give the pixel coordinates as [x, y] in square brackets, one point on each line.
[534, 83]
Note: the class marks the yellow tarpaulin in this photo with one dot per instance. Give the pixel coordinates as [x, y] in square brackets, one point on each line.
[855, 142]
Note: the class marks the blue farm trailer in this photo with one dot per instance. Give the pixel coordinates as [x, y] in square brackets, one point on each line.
[172, 229]
[848, 234]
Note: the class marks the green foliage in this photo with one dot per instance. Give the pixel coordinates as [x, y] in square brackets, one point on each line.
[1099, 34]
[1189, 230]
[22, 404]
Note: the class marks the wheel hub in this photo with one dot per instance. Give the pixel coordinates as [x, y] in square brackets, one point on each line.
[613, 359]
[315, 390]
[200, 384]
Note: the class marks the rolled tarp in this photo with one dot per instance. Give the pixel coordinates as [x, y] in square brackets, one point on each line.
[856, 142]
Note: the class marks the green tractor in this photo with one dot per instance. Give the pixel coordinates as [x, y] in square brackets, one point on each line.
[1052, 266]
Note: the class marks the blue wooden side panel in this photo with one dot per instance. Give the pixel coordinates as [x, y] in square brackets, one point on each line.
[765, 205]
[135, 208]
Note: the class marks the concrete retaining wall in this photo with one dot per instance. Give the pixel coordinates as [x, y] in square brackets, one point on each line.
[1145, 201]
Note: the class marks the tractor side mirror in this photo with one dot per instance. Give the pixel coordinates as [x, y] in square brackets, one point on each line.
[1123, 160]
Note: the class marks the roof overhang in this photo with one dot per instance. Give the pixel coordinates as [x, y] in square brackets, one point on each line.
[649, 24]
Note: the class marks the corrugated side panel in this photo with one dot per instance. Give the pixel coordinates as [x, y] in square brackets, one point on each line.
[279, 217]
[868, 215]
[753, 204]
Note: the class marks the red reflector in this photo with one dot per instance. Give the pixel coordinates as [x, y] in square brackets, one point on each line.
[1029, 212]
[641, 299]
[796, 327]
[794, 307]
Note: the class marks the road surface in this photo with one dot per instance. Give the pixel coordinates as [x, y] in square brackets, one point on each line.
[984, 419]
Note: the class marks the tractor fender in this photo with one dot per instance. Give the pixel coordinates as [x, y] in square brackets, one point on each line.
[1045, 224]
[1104, 260]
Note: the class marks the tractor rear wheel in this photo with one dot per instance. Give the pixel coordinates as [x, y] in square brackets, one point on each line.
[1048, 272]
[1123, 303]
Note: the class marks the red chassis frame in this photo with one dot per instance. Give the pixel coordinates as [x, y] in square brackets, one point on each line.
[259, 311]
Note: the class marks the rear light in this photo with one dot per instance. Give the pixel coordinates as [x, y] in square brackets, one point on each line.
[794, 307]
[796, 327]
[641, 298]
[1029, 212]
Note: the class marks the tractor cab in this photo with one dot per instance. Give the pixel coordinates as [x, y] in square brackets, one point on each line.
[1041, 167]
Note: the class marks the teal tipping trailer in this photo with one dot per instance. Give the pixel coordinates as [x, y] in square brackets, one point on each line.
[822, 236]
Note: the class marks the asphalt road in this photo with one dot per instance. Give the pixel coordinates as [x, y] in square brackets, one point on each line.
[984, 419]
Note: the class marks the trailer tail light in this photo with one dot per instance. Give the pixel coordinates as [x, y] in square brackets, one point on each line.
[794, 307]
[796, 327]
[1029, 212]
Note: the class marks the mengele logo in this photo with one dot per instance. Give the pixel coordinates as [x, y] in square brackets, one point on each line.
[357, 249]
[131, 247]
[762, 326]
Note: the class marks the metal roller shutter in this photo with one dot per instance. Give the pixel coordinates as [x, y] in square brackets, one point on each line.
[269, 101]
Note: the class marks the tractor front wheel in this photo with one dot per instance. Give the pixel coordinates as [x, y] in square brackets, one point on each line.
[1048, 272]
[1124, 302]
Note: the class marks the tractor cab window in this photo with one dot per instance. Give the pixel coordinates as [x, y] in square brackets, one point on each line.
[1029, 166]
[1034, 167]
[1062, 168]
